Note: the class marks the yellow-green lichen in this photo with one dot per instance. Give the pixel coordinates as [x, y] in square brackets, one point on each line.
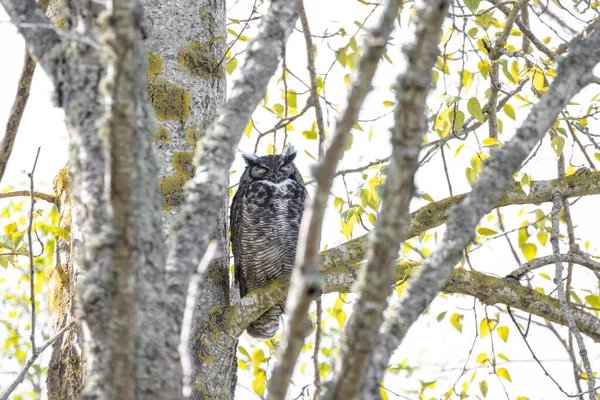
[192, 135]
[162, 135]
[198, 60]
[61, 23]
[155, 65]
[170, 101]
[171, 187]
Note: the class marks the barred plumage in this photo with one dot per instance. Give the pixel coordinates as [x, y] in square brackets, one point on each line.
[265, 219]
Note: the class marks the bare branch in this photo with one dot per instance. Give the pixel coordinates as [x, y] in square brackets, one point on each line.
[547, 260]
[16, 112]
[38, 195]
[564, 305]
[31, 256]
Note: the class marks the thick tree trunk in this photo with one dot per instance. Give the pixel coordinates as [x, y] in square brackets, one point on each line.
[65, 372]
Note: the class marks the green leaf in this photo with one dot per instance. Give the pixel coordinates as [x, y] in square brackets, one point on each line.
[486, 231]
[483, 386]
[502, 331]
[472, 5]
[292, 99]
[510, 111]
[502, 372]
[242, 350]
[474, 109]
[457, 321]
[558, 143]
[441, 316]
[529, 251]
[231, 65]
[458, 120]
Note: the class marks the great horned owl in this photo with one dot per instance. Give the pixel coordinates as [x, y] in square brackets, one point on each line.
[265, 219]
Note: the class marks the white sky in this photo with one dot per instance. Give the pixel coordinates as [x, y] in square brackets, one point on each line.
[427, 345]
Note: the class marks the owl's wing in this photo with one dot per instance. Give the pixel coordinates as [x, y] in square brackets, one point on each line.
[235, 226]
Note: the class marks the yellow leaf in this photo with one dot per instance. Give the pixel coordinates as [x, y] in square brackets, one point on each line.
[542, 237]
[248, 129]
[502, 372]
[529, 251]
[341, 318]
[258, 356]
[482, 358]
[490, 142]
[382, 392]
[537, 76]
[347, 226]
[502, 356]
[457, 321]
[502, 331]
[486, 326]
[471, 176]
[10, 228]
[258, 384]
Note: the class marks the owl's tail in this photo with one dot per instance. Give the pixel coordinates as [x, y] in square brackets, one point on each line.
[266, 326]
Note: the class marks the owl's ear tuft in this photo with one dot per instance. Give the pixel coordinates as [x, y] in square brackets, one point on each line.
[289, 153]
[250, 158]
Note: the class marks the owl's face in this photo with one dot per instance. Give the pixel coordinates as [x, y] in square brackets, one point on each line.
[274, 168]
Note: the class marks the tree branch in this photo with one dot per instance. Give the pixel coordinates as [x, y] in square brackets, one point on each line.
[36, 353]
[562, 298]
[44, 45]
[377, 278]
[38, 195]
[487, 289]
[575, 72]
[306, 282]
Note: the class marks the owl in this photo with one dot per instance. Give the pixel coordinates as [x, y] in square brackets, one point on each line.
[265, 219]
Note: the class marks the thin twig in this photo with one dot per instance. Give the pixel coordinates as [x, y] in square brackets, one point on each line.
[31, 264]
[36, 352]
[38, 195]
[16, 112]
[556, 207]
[314, 92]
[316, 364]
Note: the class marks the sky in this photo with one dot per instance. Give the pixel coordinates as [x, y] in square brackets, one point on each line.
[427, 345]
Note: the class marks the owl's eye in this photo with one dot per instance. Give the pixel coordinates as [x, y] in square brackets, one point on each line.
[286, 168]
[259, 170]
